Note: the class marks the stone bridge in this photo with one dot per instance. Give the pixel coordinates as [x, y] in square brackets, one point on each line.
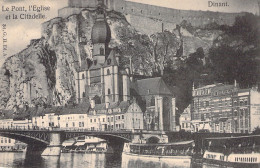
[47, 142]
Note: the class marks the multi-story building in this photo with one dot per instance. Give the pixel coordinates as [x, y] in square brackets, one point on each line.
[222, 108]
[185, 120]
[201, 107]
[226, 109]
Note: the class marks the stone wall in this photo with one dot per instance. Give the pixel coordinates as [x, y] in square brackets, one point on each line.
[196, 18]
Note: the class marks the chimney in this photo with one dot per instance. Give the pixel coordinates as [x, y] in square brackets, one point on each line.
[92, 103]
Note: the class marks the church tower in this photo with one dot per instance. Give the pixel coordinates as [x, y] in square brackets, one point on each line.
[100, 35]
[111, 78]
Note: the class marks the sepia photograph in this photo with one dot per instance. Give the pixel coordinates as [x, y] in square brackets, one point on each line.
[129, 83]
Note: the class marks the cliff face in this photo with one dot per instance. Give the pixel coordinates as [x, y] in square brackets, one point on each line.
[45, 72]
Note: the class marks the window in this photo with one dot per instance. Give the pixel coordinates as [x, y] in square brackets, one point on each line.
[108, 61]
[202, 104]
[102, 51]
[108, 72]
[108, 91]
[103, 119]
[141, 11]
[119, 117]
[73, 124]
[83, 76]
[97, 99]
[95, 62]
[95, 120]
[83, 94]
[235, 103]
[111, 119]
[122, 116]
[152, 101]
[9, 140]
[67, 125]
[91, 120]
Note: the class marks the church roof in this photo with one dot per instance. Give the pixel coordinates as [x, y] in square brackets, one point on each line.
[95, 66]
[152, 86]
[123, 105]
[111, 59]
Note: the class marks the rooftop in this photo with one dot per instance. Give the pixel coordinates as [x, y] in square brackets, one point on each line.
[152, 86]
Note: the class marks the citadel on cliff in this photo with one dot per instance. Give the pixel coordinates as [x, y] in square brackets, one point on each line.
[140, 15]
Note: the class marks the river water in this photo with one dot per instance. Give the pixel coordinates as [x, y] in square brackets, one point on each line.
[78, 160]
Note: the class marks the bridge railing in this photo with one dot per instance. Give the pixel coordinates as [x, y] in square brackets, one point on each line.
[35, 128]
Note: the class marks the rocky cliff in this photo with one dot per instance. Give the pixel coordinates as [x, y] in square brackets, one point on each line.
[44, 73]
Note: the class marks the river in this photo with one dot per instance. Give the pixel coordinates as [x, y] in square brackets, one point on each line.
[78, 160]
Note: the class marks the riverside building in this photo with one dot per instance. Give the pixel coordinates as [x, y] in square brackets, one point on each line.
[225, 109]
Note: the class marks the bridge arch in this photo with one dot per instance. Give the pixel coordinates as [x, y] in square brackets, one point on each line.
[115, 140]
[153, 140]
[41, 139]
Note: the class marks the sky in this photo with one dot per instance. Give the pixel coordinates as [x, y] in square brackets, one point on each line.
[234, 5]
[20, 32]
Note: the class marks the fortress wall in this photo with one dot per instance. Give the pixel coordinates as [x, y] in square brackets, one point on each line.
[82, 3]
[149, 18]
[67, 11]
[117, 5]
[196, 18]
[145, 25]
[149, 25]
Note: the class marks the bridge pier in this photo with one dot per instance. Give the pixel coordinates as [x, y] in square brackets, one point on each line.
[54, 148]
[34, 149]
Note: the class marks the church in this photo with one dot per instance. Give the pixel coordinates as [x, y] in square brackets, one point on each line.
[109, 88]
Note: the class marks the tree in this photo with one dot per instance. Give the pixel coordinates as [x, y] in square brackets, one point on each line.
[164, 48]
[228, 64]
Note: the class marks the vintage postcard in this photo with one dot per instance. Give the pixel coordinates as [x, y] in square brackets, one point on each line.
[129, 83]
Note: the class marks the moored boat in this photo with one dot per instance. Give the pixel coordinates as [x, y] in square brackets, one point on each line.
[241, 151]
[181, 151]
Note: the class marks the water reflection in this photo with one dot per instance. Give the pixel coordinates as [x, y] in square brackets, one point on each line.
[70, 160]
[129, 161]
[77, 160]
